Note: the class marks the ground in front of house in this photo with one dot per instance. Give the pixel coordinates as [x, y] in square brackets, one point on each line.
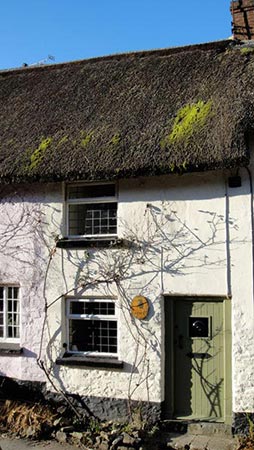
[165, 441]
[8, 443]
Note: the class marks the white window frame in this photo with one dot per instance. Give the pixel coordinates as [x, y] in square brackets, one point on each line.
[69, 316]
[84, 201]
[5, 313]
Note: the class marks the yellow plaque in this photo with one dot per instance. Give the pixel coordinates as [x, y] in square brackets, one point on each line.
[139, 307]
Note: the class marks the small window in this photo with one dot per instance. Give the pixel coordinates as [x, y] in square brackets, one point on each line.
[91, 326]
[92, 210]
[9, 313]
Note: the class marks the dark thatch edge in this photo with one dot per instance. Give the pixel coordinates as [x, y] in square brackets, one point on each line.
[125, 174]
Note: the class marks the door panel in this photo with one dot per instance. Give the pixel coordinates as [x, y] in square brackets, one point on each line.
[198, 350]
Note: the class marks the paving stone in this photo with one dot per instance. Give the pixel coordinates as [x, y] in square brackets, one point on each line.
[201, 442]
[220, 443]
[180, 442]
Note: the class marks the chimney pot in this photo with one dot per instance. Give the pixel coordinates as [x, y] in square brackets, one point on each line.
[242, 19]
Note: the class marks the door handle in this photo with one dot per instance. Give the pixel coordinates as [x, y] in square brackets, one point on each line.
[199, 355]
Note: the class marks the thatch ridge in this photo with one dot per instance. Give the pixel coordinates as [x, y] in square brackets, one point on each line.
[119, 115]
[118, 56]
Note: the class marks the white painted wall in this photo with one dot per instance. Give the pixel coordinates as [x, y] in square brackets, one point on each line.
[23, 259]
[241, 248]
[183, 219]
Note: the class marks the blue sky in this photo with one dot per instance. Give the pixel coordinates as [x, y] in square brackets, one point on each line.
[76, 29]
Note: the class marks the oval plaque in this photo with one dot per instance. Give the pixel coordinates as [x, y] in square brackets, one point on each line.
[139, 307]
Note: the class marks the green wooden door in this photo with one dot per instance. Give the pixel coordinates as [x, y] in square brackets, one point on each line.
[198, 355]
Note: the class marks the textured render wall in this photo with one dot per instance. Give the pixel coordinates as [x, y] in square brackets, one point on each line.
[182, 223]
[23, 237]
[242, 299]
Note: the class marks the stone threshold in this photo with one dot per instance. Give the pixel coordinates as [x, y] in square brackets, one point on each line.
[196, 427]
[200, 442]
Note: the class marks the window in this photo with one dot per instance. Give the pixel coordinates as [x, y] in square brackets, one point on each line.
[91, 210]
[9, 313]
[91, 326]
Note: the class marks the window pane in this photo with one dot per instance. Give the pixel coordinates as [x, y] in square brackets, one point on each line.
[15, 318]
[93, 336]
[10, 318]
[93, 218]
[92, 308]
[12, 292]
[1, 292]
[92, 191]
[10, 332]
[16, 332]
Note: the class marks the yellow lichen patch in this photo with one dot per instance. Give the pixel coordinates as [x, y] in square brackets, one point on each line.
[62, 140]
[180, 168]
[246, 50]
[190, 119]
[38, 154]
[115, 140]
[86, 138]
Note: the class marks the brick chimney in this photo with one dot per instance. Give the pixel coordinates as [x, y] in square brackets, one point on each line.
[242, 19]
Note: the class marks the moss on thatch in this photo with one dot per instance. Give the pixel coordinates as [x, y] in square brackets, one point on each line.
[115, 140]
[246, 50]
[147, 113]
[38, 154]
[189, 119]
[63, 140]
[86, 138]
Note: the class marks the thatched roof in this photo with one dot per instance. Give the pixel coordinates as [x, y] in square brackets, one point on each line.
[145, 113]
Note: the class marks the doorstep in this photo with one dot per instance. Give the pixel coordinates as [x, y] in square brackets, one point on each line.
[197, 435]
[200, 442]
[196, 427]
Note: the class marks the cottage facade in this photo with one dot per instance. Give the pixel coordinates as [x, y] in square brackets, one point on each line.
[126, 269]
